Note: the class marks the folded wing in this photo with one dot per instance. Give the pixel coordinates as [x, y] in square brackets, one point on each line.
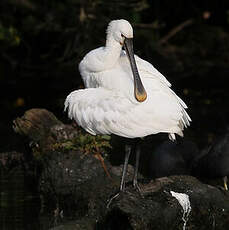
[103, 111]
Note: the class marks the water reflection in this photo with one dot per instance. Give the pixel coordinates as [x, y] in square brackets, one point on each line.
[19, 208]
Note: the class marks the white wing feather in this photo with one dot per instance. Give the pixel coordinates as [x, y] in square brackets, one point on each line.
[102, 111]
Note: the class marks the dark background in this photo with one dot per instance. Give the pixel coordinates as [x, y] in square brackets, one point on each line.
[42, 42]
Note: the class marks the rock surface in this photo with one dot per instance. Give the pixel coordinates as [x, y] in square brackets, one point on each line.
[75, 184]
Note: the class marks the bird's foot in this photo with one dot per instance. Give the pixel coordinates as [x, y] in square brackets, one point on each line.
[117, 195]
[112, 198]
[136, 186]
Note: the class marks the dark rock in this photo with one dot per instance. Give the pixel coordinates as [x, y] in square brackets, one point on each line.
[83, 224]
[74, 182]
[160, 210]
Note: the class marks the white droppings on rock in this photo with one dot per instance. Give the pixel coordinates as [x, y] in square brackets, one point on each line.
[184, 201]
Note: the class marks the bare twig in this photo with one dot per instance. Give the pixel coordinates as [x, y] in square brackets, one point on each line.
[175, 30]
[98, 156]
[148, 26]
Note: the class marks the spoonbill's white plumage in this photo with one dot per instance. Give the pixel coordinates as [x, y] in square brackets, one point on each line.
[122, 97]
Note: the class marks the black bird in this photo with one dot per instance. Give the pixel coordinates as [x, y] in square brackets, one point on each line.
[173, 158]
[215, 162]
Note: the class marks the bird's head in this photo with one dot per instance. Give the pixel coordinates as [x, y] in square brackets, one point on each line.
[122, 32]
[119, 30]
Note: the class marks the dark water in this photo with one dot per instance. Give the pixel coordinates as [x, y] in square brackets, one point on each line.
[18, 208]
[21, 208]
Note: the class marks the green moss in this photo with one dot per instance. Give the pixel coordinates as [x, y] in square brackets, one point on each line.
[92, 144]
[85, 143]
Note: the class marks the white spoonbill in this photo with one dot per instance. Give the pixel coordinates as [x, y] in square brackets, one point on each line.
[125, 95]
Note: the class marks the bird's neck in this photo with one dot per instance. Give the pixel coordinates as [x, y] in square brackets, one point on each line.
[112, 50]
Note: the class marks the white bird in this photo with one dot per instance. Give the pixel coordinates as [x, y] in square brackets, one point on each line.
[125, 95]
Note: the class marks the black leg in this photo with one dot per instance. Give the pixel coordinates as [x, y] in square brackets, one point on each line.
[135, 179]
[124, 170]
